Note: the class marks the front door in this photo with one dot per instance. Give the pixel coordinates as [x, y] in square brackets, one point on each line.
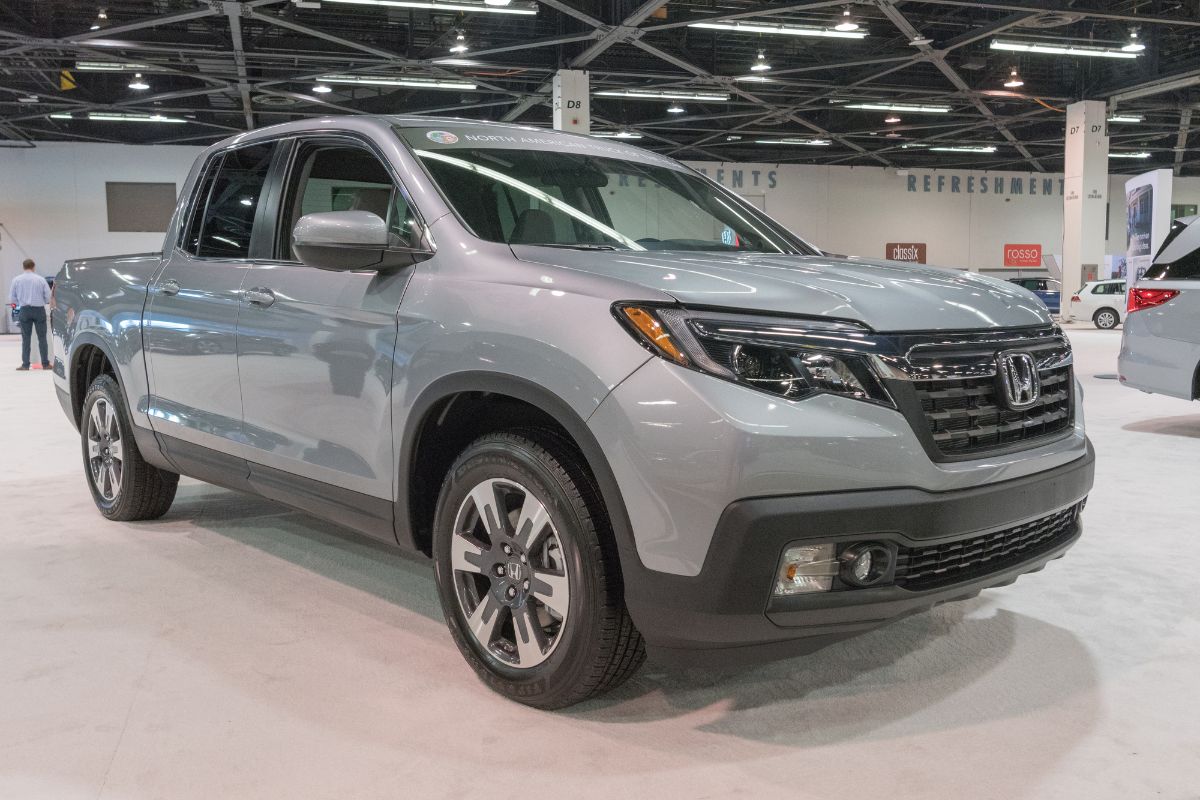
[190, 328]
[315, 349]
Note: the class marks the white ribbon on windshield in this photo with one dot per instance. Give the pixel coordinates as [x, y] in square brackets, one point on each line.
[535, 193]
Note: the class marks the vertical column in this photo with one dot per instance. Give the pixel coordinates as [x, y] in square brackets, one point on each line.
[572, 106]
[1085, 196]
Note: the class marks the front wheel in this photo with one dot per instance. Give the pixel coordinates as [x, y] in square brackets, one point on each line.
[124, 486]
[1106, 319]
[527, 572]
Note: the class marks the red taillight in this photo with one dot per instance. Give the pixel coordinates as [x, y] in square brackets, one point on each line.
[1075, 299]
[1148, 298]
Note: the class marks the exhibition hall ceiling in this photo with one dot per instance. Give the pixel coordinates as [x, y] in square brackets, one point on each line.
[883, 83]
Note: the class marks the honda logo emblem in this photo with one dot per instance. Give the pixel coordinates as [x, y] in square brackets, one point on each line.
[1017, 375]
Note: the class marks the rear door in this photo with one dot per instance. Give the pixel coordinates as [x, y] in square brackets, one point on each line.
[315, 347]
[191, 318]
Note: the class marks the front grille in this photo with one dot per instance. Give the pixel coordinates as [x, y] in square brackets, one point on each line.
[967, 415]
[943, 564]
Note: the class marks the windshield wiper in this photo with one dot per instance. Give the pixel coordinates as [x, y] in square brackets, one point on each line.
[576, 246]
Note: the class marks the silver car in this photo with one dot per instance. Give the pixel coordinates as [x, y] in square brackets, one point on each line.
[621, 409]
[1160, 348]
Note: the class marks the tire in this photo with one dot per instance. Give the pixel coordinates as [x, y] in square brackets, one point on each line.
[544, 622]
[124, 487]
[1106, 319]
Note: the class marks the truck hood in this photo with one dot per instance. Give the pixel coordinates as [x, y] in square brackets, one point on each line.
[884, 295]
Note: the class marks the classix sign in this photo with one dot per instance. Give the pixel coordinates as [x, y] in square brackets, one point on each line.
[905, 251]
[1022, 255]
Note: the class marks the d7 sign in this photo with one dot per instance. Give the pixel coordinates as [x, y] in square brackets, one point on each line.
[1022, 255]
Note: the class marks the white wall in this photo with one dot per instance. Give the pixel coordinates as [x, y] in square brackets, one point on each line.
[858, 210]
[52, 200]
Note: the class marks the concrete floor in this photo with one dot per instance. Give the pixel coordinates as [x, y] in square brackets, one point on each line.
[234, 650]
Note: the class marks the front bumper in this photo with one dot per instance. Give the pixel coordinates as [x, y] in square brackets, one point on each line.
[726, 613]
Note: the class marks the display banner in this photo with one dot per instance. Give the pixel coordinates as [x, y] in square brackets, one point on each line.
[905, 251]
[1022, 255]
[1147, 219]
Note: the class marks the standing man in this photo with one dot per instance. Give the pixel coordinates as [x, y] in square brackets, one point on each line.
[31, 294]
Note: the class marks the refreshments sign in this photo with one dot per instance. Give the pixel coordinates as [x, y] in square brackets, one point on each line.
[905, 251]
[1022, 255]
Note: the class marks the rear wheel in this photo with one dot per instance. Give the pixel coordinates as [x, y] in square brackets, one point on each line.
[528, 574]
[124, 486]
[1106, 319]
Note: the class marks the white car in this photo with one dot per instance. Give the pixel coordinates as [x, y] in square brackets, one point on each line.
[1160, 347]
[1103, 302]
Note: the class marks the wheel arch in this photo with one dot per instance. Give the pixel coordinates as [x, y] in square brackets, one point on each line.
[415, 499]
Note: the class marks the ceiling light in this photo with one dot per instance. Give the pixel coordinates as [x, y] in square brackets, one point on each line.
[1135, 44]
[61, 115]
[781, 30]
[29, 98]
[733, 138]
[913, 109]
[663, 94]
[138, 83]
[399, 80]
[1061, 50]
[321, 88]
[760, 63]
[101, 19]
[754, 79]
[893, 135]
[510, 7]
[496, 2]
[1014, 80]
[460, 43]
[1126, 118]
[846, 21]
[108, 116]
[920, 41]
[1129, 155]
[812, 142]
[622, 134]
[675, 108]
[964, 149]
[891, 118]
[110, 66]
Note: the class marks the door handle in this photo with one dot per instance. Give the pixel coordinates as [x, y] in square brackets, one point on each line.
[259, 296]
[169, 287]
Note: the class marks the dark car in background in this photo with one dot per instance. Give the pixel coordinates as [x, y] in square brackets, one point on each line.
[1048, 290]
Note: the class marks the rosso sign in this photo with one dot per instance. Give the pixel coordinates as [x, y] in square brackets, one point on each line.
[1022, 255]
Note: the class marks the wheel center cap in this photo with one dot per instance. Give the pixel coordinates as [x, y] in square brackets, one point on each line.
[514, 569]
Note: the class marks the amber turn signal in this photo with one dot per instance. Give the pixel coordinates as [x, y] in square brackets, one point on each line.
[654, 333]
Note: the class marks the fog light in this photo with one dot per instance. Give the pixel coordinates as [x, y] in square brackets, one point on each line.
[806, 568]
[866, 564]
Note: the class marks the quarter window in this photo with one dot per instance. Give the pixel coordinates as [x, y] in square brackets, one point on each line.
[228, 203]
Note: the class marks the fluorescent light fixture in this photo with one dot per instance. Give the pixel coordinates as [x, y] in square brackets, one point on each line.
[663, 94]
[29, 98]
[398, 80]
[61, 115]
[528, 9]
[810, 142]
[457, 62]
[754, 79]
[896, 107]
[109, 116]
[1129, 155]
[988, 149]
[1062, 50]
[781, 30]
[110, 66]
[618, 135]
[1126, 118]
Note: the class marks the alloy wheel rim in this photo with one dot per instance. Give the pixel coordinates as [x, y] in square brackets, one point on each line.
[509, 573]
[1107, 319]
[106, 450]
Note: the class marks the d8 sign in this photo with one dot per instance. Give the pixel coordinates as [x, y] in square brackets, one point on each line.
[1022, 255]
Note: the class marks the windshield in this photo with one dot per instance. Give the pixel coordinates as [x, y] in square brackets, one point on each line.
[601, 199]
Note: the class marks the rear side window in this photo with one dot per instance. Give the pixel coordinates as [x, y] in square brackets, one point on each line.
[227, 204]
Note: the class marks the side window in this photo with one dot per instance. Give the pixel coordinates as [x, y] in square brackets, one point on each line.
[334, 177]
[226, 221]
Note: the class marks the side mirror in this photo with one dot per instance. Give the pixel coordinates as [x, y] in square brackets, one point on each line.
[348, 240]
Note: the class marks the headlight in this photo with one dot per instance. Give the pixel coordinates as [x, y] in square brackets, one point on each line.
[792, 359]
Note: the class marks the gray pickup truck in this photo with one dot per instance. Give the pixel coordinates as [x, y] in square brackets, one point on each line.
[620, 409]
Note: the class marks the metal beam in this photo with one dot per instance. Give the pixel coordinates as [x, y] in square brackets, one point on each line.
[758, 11]
[233, 12]
[626, 31]
[1042, 6]
[1185, 124]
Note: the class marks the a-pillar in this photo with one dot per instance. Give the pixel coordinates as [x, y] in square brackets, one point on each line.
[1085, 197]
[572, 106]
